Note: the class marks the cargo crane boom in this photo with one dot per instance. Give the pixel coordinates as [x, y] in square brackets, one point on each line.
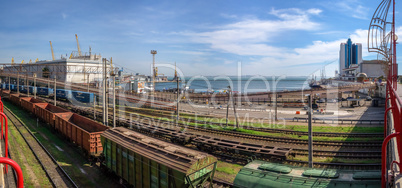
[51, 48]
[78, 45]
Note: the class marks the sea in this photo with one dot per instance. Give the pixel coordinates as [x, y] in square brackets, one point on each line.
[239, 84]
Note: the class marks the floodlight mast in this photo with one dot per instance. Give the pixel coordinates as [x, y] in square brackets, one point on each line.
[153, 52]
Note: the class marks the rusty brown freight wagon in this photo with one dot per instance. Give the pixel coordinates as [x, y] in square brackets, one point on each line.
[15, 98]
[46, 112]
[82, 131]
[28, 103]
[5, 93]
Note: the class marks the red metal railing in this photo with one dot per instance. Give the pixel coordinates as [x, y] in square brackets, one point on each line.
[393, 102]
[17, 168]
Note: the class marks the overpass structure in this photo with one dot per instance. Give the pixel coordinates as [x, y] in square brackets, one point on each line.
[382, 40]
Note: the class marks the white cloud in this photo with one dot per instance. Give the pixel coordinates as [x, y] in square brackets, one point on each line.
[251, 36]
[351, 8]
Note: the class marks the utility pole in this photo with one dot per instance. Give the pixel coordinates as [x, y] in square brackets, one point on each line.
[227, 108]
[88, 83]
[234, 109]
[27, 83]
[95, 107]
[55, 87]
[34, 88]
[276, 106]
[177, 81]
[153, 52]
[18, 83]
[104, 92]
[310, 133]
[114, 99]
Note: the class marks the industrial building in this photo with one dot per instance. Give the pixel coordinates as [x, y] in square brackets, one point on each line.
[76, 69]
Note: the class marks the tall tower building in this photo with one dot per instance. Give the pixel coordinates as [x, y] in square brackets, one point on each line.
[349, 54]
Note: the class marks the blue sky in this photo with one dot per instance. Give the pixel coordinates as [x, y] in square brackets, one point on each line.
[208, 37]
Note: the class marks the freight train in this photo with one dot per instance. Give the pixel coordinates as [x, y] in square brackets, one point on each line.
[64, 94]
[85, 97]
[140, 161]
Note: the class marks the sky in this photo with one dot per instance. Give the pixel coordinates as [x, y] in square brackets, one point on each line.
[203, 37]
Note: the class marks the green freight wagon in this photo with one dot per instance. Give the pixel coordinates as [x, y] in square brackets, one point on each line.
[262, 174]
[142, 161]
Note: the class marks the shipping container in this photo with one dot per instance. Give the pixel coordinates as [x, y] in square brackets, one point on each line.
[28, 103]
[11, 86]
[46, 112]
[63, 94]
[23, 89]
[84, 97]
[45, 91]
[147, 162]
[82, 131]
[32, 89]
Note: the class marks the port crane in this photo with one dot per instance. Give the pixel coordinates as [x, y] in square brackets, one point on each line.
[51, 48]
[78, 46]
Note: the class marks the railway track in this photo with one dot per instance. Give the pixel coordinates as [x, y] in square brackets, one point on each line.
[231, 146]
[335, 165]
[340, 154]
[218, 183]
[359, 144]
[56, 174]
[268, 130]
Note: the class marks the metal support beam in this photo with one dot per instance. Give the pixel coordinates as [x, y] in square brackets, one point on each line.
[114, 101]
[18, 83]
[178, 100]
[27, 83]
[104, 92]
[55, 87]
[34, 88]
[310, 133]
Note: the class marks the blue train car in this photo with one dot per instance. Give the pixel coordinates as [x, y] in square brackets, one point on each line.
[11, 86]
[32, 89]
[44, 91]
[63, 94]
[84, 97]
[23, 89]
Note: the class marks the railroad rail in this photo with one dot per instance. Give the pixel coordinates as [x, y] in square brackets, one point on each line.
[239, 150]
[341, 121]
[56, 174]
[269, 130]
[222, 183]
[290, 132]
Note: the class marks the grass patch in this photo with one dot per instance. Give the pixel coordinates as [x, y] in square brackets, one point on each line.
[227, 171]
[26, 159]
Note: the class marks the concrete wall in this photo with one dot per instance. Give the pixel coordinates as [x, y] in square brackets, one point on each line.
[373, 70]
